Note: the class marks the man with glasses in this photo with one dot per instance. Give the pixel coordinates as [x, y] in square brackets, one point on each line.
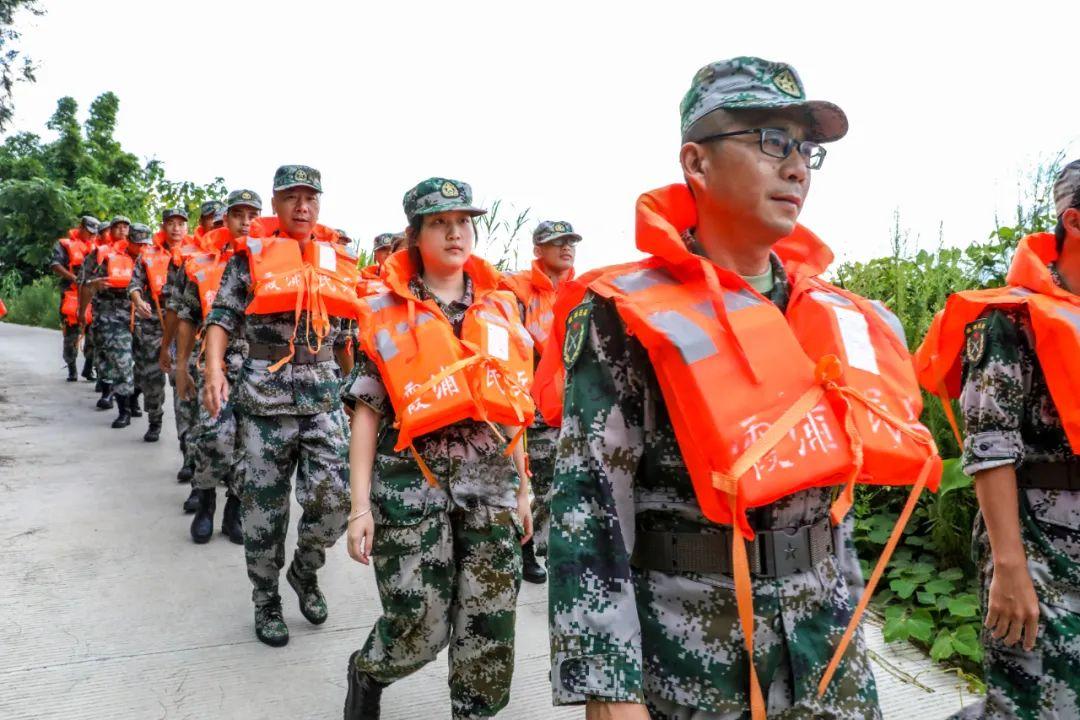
[645, 618]
[555, 247]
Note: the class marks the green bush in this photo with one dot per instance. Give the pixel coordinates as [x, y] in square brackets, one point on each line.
[35, 304]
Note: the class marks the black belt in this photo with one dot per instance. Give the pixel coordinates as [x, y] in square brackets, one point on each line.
[772, 553]
[302, 355]
[1063, 475]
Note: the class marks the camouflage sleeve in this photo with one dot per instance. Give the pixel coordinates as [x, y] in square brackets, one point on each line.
[172, 276]
[592, 607]
[992, 398]
[365, 384]
[91, 269]
[234, 295]
[138, 280]
[185, 300]
[59, 255]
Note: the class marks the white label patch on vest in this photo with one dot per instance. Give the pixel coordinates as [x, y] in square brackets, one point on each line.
[855, 334]
[327, 258]
[498, 342]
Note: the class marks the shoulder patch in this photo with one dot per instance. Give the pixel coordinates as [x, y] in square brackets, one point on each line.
[975, 344]
[577, 330]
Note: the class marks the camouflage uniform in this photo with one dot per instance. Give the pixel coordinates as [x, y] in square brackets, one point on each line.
[112, 330]
[288, 420]
[674, 641]
[447, 558]
[145, 348]
[1010, 419]
[212, 440]
[71, 332]
[185, 412]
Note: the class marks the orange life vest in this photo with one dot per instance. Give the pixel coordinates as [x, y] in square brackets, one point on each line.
[824, 395]
[76, 248]
[69, 306]
[436, 379]
[269, 225]
[119, 265]
[206, 268]
[371, 281]
[1055, 321]
[184, 249]
[537, 293]
[156, 261]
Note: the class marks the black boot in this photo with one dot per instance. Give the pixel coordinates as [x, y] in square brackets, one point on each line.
[230, 520]
[153, 433]
[187, 471]
[133, 404]
[105, 402]
[73, 373]
[365, 693]
[124, 418]
[202, 525]
[99, 385]
[192, 502]
[87, 369]
[531, 570]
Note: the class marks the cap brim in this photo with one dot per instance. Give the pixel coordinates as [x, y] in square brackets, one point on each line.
[556, 236]
[316, 188]
[451, 207]
[825, 120]
[170, 217]
[244, 204]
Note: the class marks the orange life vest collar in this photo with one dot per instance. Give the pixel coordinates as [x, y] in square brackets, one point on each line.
[77, 248]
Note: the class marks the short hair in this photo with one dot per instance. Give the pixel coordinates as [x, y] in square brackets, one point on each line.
[1059, 230]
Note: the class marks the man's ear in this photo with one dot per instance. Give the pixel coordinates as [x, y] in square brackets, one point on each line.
[1071, 219]
[536, 251]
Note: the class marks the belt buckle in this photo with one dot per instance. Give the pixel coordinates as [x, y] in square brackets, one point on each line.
[784, 554]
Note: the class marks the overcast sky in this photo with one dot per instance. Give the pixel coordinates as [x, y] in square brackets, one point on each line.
[570, 108]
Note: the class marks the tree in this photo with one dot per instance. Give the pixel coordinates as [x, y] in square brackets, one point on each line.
[14, 67]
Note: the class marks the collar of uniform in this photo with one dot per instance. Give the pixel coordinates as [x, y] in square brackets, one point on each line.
[420, 289]
[781, 289]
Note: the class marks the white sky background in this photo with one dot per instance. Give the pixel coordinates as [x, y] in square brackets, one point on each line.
[570, 108]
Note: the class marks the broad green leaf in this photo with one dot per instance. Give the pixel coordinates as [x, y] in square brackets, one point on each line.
[903, 588]
[940, 587]
[942, 647]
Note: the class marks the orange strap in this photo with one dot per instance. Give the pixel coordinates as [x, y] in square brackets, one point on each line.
[946, 405]
[423, 467]
[716, 296]
[744, 602]
[879, 569]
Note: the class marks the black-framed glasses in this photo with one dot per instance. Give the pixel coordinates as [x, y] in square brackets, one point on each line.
[778, 144]
[563, 242]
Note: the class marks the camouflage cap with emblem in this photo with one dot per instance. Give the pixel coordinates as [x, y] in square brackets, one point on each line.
[245, 198]
[1067, 188]
[436, 195]
[90, 222]
[209, 208]
[173, 212]
[384, 240]
[550, 230]
[140, 234]
[750, 83]
[290, 176]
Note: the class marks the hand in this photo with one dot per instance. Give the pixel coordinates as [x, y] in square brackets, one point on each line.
[185, 386]
[597, 710]
[164, 360]
[524, 511]
[361, 535]
[143, 309]
[98, 282]
[1013, 607]
[215, 390]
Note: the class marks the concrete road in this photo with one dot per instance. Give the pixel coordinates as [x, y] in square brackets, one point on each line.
[108, 610]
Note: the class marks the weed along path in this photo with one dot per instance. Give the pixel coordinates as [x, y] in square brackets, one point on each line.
[108, 610]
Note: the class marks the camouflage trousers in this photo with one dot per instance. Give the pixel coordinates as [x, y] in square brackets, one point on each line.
[148, 376]
[185, 412]
[71, 344]
[798, 620]
[451, 579]
[213, 444]
[1043, 683]
[541, 440]
[272, 447]
[113, 360]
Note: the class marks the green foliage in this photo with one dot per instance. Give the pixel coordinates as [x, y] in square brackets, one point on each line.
[500, 236]
[14, 67]
[35, 304]
[929, 594]
[83, 171]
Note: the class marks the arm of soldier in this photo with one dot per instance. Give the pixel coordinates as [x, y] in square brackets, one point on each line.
[524, 508]
[223, 320]
[343, 348]
[60, 263]
[595, 630]
[365, 393]
[185, 343]
[168, 320]
[992, 405]
[137, 290]
[88, 274]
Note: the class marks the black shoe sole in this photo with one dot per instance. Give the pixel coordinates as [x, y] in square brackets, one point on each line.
[147, 438]
[313, 621]
[535, 579]
[202, 540]
[272, 643]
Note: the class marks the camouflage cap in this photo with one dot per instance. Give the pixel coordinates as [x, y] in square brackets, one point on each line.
[750, 83]
[288, 176]
[105, 225]
[140, 234]
[1067, 188]
[210, 207]
[90, 222]
[173, 212]
[248, 198]
[436, 195]
[219, 216]
[119, 219]
[550, 230]
[384, 240]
